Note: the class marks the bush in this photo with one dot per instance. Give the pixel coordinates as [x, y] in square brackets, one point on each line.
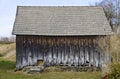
[114, 71]
[115, 48]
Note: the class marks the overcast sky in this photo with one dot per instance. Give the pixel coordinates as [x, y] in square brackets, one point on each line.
[8, 10]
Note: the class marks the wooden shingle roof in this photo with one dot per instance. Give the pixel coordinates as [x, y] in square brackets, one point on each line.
[60, 20]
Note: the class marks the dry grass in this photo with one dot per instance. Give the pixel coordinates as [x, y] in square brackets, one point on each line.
[115, 48]
[7, 51]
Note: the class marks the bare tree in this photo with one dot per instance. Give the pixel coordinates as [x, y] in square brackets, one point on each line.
[118, 11]
[112, 11]
[7, 40]
[12, 39]
[4, 40]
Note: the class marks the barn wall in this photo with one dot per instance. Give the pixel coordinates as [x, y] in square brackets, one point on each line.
[71, 51]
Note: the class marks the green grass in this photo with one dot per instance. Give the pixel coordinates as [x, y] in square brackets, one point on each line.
[7, 65]
[7, 72]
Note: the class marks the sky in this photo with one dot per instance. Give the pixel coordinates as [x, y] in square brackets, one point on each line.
[8, 10]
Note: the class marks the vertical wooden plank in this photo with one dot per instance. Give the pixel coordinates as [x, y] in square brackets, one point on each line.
[21, 51]
[82, 52]
[89, 51]
[18, 50]
[79, 61]
[86, 52]
[59, 52]
[24, 52]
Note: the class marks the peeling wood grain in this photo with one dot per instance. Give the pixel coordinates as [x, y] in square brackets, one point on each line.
[60, 50]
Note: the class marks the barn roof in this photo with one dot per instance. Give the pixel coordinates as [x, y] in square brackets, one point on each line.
[60, 20]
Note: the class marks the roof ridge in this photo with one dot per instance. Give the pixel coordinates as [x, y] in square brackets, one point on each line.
[57, 6]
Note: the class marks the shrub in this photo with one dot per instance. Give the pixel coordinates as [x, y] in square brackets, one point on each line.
[114, 71]
[115, 48]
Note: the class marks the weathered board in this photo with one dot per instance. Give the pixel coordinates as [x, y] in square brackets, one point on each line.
[59, 50]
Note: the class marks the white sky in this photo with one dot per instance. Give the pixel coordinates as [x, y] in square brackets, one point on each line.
[8, 10]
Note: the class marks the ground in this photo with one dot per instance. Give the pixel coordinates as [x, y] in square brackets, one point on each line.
[7, 72]
[7, 68]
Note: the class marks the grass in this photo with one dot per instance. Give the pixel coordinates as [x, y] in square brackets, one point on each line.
[2, 44]
[7, 72]
[115, 47]
[7, 51]
[5, 48]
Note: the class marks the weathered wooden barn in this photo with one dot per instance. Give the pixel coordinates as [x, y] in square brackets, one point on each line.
[61, 35]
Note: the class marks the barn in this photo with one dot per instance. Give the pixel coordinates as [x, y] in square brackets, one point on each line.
[61, 35]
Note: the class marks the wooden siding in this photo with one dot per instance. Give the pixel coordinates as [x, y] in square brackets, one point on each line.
[71, 51]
